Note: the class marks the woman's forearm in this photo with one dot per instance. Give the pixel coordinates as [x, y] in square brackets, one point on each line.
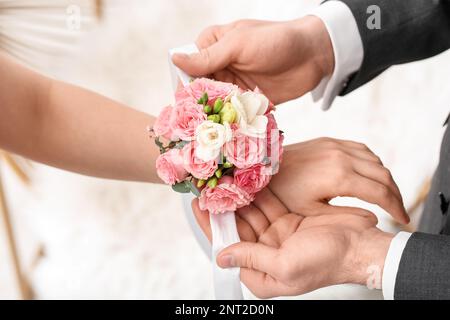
[72, 128]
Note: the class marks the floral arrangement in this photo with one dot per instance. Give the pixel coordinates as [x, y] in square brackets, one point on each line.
[219, 142]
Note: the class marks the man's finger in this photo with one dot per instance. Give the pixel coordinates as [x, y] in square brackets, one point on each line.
[212, 34]
[329, 209]
[378, 173]
[363, 155]
[265, 286]
[246, 232]
[354, 144]
[376, 193]
[209, 60]
[249, 255]
[269, 204]
[255, 218]
[227, 75]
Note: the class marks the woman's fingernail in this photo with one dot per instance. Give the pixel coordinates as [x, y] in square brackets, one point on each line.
[226, 261]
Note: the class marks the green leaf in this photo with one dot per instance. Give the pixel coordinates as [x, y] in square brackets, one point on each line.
[193, 189]
[182, 187]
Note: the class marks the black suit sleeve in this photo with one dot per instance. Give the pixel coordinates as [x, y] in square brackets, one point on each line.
[410, 30]
[424, 268]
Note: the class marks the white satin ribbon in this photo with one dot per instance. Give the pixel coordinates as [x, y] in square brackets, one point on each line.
[227, 283]
[176, 73]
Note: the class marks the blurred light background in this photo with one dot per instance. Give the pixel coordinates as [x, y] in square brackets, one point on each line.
[86, 238]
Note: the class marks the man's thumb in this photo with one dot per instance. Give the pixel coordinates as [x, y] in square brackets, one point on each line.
[249, 255]
[207, 61]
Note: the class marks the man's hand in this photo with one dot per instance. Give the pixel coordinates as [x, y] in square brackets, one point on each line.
[283, 253]
[316, 171]
[284, 59]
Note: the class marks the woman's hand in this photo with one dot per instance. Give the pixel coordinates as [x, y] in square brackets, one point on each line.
[314, 172]
[284, 253]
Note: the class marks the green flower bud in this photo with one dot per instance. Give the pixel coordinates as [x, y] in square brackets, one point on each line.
[214, 117]
[212, 183]
[218, 105]
[204, 99]
[228, 113]
[218, 173]
[201, 183]
[227, 165]
[207, 109]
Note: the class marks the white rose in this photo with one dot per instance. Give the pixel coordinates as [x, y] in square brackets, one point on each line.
[210, 138]
[250, 108]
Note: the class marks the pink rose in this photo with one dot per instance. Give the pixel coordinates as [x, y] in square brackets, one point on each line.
[226, 196]
[186, 117]
[162, 126]
[198, 87]
[244, 151]
[274, 141]
[198, 168]
[169, 167]
[252, 179]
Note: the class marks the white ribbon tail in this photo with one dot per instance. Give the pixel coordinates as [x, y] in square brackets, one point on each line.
[227, 283]
[176, 73]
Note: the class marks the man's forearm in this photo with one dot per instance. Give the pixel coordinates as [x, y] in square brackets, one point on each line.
[404, 31]
[423, 269]
[72, 128]
[368, 257]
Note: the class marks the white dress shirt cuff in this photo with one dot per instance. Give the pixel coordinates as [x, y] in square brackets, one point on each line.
[392, 263]
[347, 47]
